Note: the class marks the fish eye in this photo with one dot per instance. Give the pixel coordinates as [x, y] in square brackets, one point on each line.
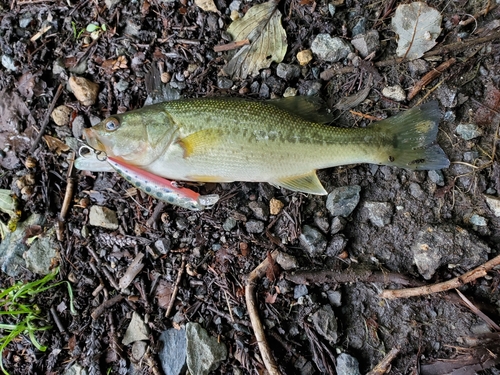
[112, 124]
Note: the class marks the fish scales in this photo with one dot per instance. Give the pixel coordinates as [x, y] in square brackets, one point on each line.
[230, 139]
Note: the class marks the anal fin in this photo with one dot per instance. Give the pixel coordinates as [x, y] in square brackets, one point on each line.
[306, 183]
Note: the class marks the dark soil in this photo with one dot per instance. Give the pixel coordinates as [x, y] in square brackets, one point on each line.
[180, 37]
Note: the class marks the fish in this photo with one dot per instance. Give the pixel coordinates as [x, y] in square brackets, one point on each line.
[282, 142]
[161, 188]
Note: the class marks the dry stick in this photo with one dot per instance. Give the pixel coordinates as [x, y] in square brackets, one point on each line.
[68, 196]
[46, 118]
[58, 322]
[478, 312]
[385, 364]
[258, 329]
[176, 287]
[232, 45]
[106, 305]
[429, 77]
[456, 282]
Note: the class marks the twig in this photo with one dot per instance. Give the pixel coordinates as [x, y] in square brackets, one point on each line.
[478, 312]
[385, 363]
[58, 322]
[46, 119]
[258, 329]
[456, 282]
[176, 287]
[232, 45]
[429, 77]
[351, 275]
[106, 305]
[68, 196]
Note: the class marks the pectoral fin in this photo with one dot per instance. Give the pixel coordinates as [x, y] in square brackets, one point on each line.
[307, 183]
[200, 142]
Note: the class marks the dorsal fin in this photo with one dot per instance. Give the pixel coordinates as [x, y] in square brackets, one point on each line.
[310, 108]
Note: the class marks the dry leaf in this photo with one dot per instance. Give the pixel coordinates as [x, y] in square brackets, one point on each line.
[418, 26]
[262, 26]
[114, 64]
[55, 144]
[207, 5]
[132, 271]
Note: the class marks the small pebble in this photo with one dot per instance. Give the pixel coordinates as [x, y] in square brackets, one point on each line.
[229, 224]
[103, 217]
[275, 206]
[254, 226]
[478, 220]
[300, 291]
[9, 63]
[437, 177]
[468, 131]
[304, 57]
[224, 83]
[61, 115]
[330, 49]
[287, 71]
[367, 43]
[396, 93]
[494, 204]
[77, 126]
[84, 90]
[286, 261]
[290, 91]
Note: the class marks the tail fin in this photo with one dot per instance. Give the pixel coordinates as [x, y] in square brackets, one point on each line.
[413, 134]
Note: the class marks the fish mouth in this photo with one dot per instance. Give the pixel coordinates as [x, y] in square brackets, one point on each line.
[92, 140]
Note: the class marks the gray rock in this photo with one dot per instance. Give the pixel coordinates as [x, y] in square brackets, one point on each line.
[254, 226]
[137, 330]
[334, 297]
[138, 350]
[347, 365]
[325, 323]
[13, 246]
[470, 156]
[360, 27]
[395, 92]
[101, 216]
[163, 245]
[418, 67]
[379, 213]
[286, 261]
[43, 254]
[264, 91]
[224, 83]
[338, 223]
[255, 87]
[121, 85]
[343, 200]
[436, 246]
[330, 49]
[480, 221]
[25, 20]
[229, 224]
[304, 367]
[75, 369]
[260, 210]
[287, 71]
[331, 9]
[313, 88]
[416, 191]
[312, 241]
[77, 126]
[235, 5]
[111, 3]
[300, 291]
[9, 63]
[204, 352]
[468, 131]
[58, 68]
[367, 43]
[321, 222]
[493, 203]
[173, 352]
[336, 245]
[437, 177]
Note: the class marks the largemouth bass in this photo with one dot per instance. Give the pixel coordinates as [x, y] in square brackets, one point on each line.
[281, 142]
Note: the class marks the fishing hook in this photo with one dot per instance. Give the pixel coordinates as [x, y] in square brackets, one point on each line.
[100, 155]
